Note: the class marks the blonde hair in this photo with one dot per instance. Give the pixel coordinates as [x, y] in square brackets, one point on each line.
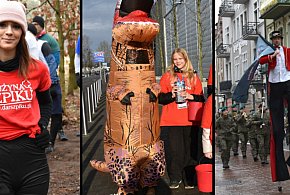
[188, 71]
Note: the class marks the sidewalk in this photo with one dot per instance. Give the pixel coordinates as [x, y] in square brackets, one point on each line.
[98, 183]
[246, 177]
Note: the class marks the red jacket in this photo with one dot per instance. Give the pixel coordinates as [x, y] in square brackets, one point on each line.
[171, 115]
[272, 62]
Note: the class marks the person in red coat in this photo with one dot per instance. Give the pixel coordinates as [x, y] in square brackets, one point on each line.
[206, 123]
[278, 91]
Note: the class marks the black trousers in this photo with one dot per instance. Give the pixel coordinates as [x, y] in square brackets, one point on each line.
[278, 93]
[177, 144]
[23, 168]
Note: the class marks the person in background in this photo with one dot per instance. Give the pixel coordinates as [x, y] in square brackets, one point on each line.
[77, 67]
[206, 123]
[225, 126]
[243, 130]
[174, 118]
[253, 124]
[42, 49]
[235, 146]
[25, 108]
[55, 90]
[78, 61]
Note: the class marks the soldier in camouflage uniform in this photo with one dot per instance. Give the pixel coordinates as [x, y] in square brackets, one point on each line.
[263, 136]
[266, 126]
[225, 125]
[217, 140]
[243, 130]
[235, 146]
[254, 123]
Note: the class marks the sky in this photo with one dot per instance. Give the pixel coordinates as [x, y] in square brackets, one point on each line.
[217, 4]
[97, 18]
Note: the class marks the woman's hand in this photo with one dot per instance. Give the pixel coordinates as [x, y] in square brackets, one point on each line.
[208, 155]
[187, 95]
[174, 90]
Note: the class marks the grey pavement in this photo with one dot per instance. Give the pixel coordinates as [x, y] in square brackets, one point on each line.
[98, 183]
[246, 177]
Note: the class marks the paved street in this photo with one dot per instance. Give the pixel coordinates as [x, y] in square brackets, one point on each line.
[97, 183]
[246, 177]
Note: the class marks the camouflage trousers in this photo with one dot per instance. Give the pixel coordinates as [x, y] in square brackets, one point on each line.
[244, 140]
[226, 142]
[264, 145]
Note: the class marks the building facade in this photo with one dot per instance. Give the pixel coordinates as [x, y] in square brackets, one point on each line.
[179, 28]
[238, 28]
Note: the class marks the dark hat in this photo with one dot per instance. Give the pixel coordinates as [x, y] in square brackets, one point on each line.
[275, 34]
[32, 29]
[39, 20]
[224, 108]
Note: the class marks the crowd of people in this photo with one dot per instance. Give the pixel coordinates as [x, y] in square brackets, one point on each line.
[242, 127]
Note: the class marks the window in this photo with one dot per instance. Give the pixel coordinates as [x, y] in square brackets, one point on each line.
[227, 72]
[282, 33]
[245, 64]
[238, 28]
[237, 68]
[256, 12]
[234, 31]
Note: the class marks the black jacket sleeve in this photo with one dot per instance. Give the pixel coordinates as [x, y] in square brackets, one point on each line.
[197, 98]
[45, 49]
[165, 98]
[45, 105]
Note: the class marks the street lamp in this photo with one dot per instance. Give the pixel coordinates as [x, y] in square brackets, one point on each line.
[253, 91]
[164, 29]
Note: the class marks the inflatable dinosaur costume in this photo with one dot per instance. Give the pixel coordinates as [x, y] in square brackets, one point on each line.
[133, 152]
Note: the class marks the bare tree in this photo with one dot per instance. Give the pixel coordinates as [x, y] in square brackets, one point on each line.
[105, 47]
[87, 60]
[63, 19]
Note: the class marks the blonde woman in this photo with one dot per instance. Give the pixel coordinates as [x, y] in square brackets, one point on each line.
[174, 118]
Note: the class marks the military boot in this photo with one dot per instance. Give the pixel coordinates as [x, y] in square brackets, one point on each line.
[244, 154]
[226, 165]
[265, 160]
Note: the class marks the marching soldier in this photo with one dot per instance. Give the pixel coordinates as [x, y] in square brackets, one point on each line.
[254, 126]
[235, 146]
[225, 126]
[243, 130]
[266, 120]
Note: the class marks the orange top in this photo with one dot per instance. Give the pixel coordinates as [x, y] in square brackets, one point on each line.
[171, 114]
[207, 116]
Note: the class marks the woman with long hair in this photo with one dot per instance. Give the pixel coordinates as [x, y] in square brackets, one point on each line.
[179, 85]
[25, 108]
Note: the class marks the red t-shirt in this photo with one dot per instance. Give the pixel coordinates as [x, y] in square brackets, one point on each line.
[171, 115]
[19, 108]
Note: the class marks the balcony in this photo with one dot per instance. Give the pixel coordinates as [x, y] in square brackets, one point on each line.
[250, 31]
[241, 1]
[227, 9]
[223, 51]
[274, 9]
